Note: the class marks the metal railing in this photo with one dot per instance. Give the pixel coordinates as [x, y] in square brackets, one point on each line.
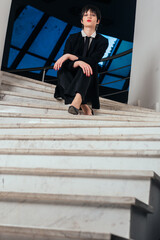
[44, 69]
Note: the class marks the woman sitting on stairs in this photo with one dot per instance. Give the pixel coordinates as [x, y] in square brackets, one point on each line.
[78, 67]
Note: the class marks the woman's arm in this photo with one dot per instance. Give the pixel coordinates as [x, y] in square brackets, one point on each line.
[61, 60]
[85, 67]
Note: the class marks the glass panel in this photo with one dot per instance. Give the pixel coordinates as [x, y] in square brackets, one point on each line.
[116, 85]
[120, 62]
[12, 55]
[124, 46]
[31, 62]
[48, 37]
[124, 72]
[24, 25]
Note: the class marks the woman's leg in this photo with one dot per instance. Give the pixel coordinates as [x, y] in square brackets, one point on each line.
[77, 101]
[86, 109]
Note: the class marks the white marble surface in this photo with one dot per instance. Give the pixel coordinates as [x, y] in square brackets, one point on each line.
[110, 186]
[80, 162]
[25, 90]
[24, 233]
[69, 217]
[78, 130]
[79, 145]
[27, 82]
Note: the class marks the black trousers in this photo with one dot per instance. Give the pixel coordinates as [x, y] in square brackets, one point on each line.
[72, 82]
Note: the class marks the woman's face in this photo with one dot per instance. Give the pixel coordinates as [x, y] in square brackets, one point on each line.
[90, 19]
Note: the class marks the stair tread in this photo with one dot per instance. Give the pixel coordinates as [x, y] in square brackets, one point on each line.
[110, 117]
[27, 79]
[140, 137]
[88, 173]
[20, 85]
[65, 107]
[93, 153]
[57, 233]
[78, 125]
[80, 200]
[105, 103]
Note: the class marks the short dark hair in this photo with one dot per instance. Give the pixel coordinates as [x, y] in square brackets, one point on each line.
[93, 9]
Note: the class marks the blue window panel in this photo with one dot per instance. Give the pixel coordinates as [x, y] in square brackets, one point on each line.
[52, 73]
[60, 53]
[12, 55]
[124, 46]
[116, 85]
[48, 37]
[124, 72]
[120, 62]
[31, 62]
[24, 25]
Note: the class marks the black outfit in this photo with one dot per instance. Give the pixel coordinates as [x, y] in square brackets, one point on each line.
[73, 80]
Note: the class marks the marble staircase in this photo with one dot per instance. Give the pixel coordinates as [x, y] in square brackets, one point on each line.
[76, 177]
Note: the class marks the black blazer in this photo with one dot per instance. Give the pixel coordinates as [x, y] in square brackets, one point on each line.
[74, 45]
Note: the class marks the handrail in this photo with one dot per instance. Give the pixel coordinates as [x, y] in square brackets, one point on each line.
[115, 69]
[103, 84]
[117, 55]
[51, 67]
[111, 94]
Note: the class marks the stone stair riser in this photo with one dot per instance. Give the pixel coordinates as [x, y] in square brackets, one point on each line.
[79, 130]
[111, 186]
[10, 120]
[80, 162]
[52, 118]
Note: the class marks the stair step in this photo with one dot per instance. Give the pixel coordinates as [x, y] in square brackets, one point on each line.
[12, 117]
[107, 103]
[78, 212]
[30, 233]
[19, 87]
[102, 160]
[13, 78]
[82, 138]
[81, 144]
[79, 182]
[22, 107]
[6, 96]
[100, 153]
[21, 97]
[78, 129]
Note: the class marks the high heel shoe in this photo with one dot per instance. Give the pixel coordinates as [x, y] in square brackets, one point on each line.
[92, 111]
[73, 110]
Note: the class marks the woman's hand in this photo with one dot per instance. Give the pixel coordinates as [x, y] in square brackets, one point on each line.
[61, 60]
[85, 67]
